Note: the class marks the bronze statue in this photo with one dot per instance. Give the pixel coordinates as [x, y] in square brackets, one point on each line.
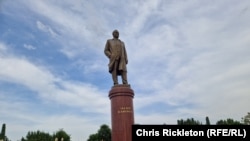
[116, 52]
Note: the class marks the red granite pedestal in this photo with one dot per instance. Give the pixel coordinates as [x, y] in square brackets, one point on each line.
[122, 113]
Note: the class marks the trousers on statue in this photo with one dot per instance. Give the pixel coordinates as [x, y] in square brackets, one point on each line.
[115, 75]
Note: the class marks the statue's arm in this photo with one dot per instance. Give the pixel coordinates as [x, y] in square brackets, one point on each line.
[107, 50]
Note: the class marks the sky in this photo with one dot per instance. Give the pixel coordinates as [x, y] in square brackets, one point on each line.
[186, 59]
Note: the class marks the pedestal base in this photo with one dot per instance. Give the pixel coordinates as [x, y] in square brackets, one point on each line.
[122, 112]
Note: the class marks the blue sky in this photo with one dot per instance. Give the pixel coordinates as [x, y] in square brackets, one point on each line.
[186, 59]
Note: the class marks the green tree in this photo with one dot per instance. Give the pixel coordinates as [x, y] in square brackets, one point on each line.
[228, 121]
[246, 119]
[93, 137]
[37, 136]
[207, 121]
[42, 136]
[103, 134]
[2, 134]
[23, 139]
[61, 135]
[188, 121]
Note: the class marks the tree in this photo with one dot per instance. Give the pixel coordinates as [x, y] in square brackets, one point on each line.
[61, 135]
[103, 134]
[3, 137]
[93, 137]
[207, 121]
[37, 136]
[246, 119]
[188, 121]
[42, 136]
[2, 134]
[228, 121]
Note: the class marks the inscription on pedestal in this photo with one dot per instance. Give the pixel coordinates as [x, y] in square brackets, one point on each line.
[125, 109]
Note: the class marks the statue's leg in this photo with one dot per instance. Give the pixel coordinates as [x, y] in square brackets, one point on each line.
[124, 77]
[114, 73]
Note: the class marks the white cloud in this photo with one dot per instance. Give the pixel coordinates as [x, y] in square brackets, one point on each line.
[201, 60]
[39, 79]
[143, 10]
[75, 25]
[42, 81]
[45, 28]
[48, 86]
[29, 47]
[3, 49]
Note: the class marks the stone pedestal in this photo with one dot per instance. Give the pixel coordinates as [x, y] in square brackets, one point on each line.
[122, 112]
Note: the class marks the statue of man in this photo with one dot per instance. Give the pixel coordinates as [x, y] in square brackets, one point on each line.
[116, 52]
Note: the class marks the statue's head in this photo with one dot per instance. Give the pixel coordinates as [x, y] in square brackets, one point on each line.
[115, 33]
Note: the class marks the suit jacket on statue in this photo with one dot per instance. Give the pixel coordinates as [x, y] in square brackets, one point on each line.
[115, 50]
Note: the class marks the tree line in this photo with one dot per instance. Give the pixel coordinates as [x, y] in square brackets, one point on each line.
[38, 135]
[104, 133]
[60, 135]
